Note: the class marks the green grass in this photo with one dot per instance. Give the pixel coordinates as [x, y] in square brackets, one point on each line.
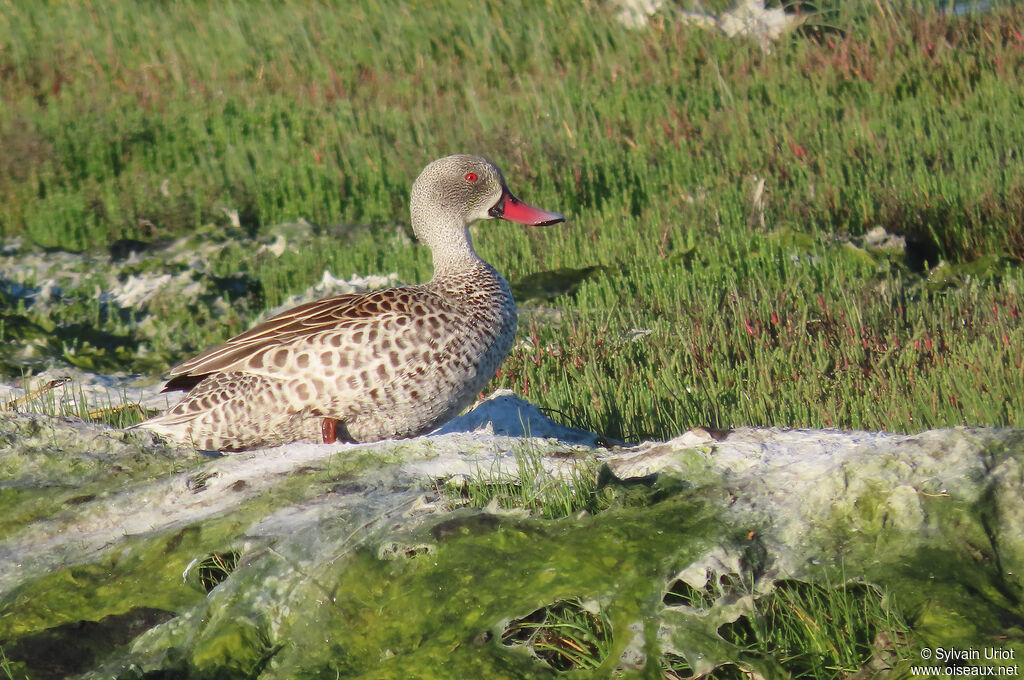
[5, 665]
[147, 123]
[532, 488]
[215, 568]
[822, 631]
[63, 399]
[565, 635]
[829, 631]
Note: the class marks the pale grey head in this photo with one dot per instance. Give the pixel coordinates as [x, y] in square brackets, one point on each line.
[453, 192]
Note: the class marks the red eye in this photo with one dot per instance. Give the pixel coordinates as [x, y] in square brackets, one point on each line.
[471, 177]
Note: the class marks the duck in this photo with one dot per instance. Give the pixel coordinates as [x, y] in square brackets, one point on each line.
[368, 366]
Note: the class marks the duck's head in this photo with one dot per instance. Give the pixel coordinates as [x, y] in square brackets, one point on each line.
[456, 191]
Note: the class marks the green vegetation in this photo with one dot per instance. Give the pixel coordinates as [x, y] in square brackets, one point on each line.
[815, 631]
[5, 665]
[215, 568]
[61, 398]
[532, 488]
[830, 631]
[824, 631]
[345, 568]
[565, 635]
[722, 191]
[820, 631]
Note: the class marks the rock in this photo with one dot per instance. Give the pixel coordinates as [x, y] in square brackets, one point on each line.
[345, 560]
[752, 18]
[749, 18]
[636, 13]
[877, 238]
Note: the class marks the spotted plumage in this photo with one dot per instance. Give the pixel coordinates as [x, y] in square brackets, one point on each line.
[367, 366]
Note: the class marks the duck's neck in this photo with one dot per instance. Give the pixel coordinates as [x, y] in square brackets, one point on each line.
[448, 238]
[455, 254]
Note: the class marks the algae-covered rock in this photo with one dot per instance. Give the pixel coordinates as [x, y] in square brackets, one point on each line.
[351, 561]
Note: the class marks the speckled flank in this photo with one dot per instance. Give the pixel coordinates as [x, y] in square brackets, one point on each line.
[391, 363]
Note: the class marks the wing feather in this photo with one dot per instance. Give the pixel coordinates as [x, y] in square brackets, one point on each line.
[294, 324]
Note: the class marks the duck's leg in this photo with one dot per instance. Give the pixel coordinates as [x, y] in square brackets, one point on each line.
[335, 430]
[330, 430]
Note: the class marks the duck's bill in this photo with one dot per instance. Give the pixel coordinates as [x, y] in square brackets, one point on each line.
[512, 209]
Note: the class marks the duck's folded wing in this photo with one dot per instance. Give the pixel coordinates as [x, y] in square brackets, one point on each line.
[303, 322]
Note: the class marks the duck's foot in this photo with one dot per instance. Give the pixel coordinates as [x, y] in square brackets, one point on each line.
[334, 430]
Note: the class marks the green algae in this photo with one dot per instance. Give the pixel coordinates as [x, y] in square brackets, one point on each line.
[146, 572]
[449, 607]
[53, 465]
[73, 648]
[446, 608]
[346, 566]
[952, 554]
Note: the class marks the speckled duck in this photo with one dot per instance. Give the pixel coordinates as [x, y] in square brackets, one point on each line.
[367, 366]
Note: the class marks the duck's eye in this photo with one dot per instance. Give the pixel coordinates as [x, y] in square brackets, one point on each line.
[471, 177]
